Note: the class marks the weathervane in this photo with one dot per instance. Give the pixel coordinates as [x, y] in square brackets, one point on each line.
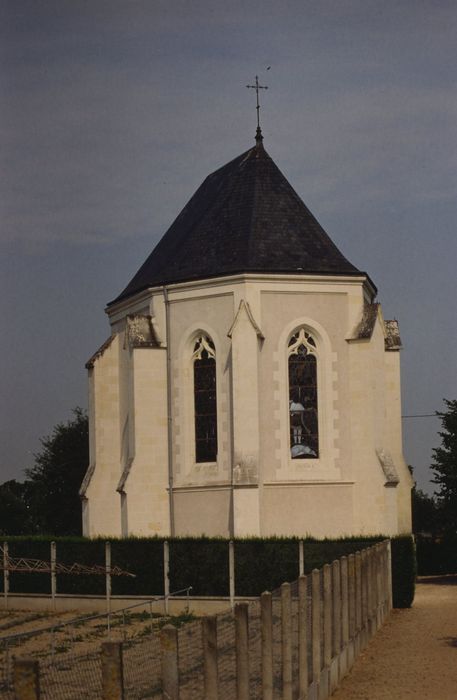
[258, 87]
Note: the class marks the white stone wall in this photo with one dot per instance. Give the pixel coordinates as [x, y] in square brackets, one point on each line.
[394, 430]
[102, 515]
[146, 486]
[254, 487]
[190, 316]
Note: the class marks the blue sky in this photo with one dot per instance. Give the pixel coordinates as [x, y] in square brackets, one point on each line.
[111, 115]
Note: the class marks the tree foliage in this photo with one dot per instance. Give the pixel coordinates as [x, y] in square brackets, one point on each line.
[48, 501]
[15, 515]
[445, 466]
[425, 513]
[56, 477]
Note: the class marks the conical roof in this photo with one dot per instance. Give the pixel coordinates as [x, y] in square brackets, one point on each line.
[245, 217]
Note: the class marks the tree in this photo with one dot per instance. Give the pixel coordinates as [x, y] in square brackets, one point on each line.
[425, 513]
[15, 514]
[445, 466]
[54, 481]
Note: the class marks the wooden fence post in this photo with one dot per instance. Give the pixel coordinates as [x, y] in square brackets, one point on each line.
[112, 671]
[26, 679]
[286, 641]
[385, 580]
[364, 572]
[6, 575]
[344, 658]
[266, 621]
[344, 602]
[232, 573]
[301, 558]
[108, 578]
[327, 615]
[169, 657]
[166, 576]
[369, 575]
[389, 576]
[302, 638]
[242, 651]
[209, 637]
[352, 596]
[53, 574]
[358, 591]
[379, 618]
[336, 607]
[374, 588]
[316, 624]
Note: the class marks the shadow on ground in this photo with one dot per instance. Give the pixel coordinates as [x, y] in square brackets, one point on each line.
[450, 641]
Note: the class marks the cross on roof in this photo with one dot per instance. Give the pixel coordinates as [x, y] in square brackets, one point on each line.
[258, 87]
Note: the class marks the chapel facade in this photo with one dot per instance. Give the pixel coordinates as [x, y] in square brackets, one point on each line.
[250, 384]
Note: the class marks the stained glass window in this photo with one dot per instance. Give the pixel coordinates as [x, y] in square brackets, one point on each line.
[303, 419]
[205, 400]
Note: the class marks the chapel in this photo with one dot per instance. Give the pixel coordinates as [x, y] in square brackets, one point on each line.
[250, 384]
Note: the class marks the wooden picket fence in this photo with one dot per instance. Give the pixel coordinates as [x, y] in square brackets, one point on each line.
[297, 642]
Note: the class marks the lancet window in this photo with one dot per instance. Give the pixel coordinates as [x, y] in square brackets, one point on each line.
[205, 399]
[303, 416]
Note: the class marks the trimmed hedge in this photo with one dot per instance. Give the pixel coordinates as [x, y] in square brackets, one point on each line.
[201, 563]
[29, 583]
[403, 571]
[260, 564]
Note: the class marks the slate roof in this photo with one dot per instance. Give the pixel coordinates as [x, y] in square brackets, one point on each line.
[245, 217]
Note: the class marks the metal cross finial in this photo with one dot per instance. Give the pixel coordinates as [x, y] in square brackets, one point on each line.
[258, 87]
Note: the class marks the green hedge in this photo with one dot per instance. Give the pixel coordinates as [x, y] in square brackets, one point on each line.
[260, 564]
[201, 563]
[403, 571]
[29, 583]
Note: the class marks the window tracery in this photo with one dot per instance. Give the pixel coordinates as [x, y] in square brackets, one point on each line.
[205, 399]
[303, 399]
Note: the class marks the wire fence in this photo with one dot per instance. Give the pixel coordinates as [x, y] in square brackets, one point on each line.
[297, 641]
[65, 670]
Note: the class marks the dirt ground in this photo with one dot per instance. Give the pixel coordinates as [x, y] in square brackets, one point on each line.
[68, 649]
[414, 655]
[78, 638]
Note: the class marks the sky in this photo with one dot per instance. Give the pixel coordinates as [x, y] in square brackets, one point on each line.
[112, 113]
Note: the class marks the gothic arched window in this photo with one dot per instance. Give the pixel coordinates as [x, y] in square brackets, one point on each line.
[303, 419]
[205, 399]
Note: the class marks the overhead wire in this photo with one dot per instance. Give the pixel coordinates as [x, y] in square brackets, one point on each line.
[422, 415]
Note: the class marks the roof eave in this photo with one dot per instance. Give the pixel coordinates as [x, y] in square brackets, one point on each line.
[145, 293]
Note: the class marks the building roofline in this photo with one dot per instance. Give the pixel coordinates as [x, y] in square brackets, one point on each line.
[145, 293]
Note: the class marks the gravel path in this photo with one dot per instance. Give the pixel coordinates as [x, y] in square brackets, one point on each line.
[414, 655]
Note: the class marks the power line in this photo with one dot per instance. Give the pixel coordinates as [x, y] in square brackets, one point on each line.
[422, 415]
